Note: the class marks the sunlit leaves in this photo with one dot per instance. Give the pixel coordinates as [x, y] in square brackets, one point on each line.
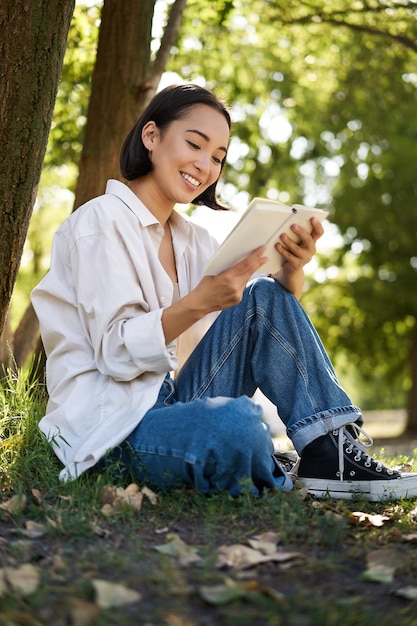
[65, 141]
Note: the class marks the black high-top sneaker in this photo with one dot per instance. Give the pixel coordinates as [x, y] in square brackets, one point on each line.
[337, 465]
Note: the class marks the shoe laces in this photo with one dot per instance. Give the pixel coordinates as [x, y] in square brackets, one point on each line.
[354, 444]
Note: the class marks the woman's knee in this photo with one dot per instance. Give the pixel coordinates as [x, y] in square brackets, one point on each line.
[265, 286]
[238, 423]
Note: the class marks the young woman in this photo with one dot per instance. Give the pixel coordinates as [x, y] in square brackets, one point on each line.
[126, 281]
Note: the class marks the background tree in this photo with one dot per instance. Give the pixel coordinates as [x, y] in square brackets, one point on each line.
[33, 38]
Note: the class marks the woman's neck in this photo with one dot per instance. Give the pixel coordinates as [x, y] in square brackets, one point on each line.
[158, 205]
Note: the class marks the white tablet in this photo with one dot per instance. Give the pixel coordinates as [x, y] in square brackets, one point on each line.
[262, 224]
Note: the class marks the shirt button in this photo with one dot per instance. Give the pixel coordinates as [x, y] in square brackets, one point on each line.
[159, 229]
[163, 299]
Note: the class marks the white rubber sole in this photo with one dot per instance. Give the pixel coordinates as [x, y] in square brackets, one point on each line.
[374, 490]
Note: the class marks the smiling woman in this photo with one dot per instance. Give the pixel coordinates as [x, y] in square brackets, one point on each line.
[186, 157]
[178, 104]
[126, 285]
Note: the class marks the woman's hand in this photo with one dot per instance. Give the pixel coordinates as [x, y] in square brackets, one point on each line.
[226, 289]
[296, 255]
[213, 293]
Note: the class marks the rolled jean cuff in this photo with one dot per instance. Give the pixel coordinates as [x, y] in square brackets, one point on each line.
[284, 482]
[310, 428]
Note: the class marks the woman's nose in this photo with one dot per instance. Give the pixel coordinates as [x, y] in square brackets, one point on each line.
[203, 162]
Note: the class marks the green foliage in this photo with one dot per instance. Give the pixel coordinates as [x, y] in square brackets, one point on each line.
[53, 204]
[324, 100]
[26, 460]
[66, 137]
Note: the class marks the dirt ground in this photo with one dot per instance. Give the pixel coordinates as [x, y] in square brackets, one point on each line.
[323, 585]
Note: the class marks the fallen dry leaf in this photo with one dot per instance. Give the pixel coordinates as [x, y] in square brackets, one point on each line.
[134, 501]
[23, 580]
[34, 530]
[365, 519]
[108, 494]
[109, 595]
[176, 547]
[409, 593]
[381, 565]
[130, 490]
[230, 590]
[58, 568]
[174, 620]
[239, 556]
[131, 496]
[37, 495]
[403, 467]
[223, 593]
[82, 613]
[152, 497]
[108, 510]
[265, 543]
[14, 505]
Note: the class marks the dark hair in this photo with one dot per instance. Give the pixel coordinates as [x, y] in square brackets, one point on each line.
[169, 105]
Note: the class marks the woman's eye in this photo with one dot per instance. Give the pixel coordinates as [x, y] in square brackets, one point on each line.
[193, 145]
[217, 160]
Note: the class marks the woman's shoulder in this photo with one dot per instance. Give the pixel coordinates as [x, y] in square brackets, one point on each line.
[99, 214]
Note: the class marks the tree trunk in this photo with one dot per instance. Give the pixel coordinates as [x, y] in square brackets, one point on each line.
[26, 336]
[6, 346]
[33, 38]
[411, 426]
[122, 65]
[124, 80]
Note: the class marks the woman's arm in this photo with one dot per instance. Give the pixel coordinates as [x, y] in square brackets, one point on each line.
[213, 293]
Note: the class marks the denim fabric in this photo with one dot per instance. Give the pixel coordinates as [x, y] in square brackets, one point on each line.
[206, 431]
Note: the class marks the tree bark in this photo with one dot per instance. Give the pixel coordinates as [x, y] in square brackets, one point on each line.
[26, 336]
[6, 346]
[121, 68]
[33, 37]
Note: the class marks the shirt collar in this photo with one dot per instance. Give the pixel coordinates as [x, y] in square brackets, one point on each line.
[126, 195]
[145, 217]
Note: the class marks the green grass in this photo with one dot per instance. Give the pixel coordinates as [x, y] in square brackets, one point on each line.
[322, 587]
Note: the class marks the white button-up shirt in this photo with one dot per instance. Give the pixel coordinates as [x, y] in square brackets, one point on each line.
[100, 308]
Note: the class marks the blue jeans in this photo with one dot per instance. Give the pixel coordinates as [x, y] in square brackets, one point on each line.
[205, 430]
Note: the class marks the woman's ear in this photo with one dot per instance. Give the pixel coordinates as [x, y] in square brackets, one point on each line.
[150, 133]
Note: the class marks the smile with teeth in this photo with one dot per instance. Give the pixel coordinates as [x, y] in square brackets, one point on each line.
[190, 179]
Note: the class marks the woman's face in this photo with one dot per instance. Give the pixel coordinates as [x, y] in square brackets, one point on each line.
[187, 156]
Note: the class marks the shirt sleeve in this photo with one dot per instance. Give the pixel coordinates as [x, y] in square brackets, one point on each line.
[124, 328]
